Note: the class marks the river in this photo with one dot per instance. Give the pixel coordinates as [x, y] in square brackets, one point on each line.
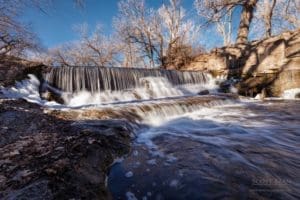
[185, 145]
[234, 151]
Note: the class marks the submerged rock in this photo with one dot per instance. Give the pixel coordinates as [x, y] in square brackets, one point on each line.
[51, 96]
[203, 92]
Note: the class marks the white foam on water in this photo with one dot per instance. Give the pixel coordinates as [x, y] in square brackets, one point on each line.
[152, 88]
[217, 119]
[174, 183]
[163, 114]
[27, 89]
[118, 160]
[130, 196]
[151, 162]
[129, 174]
[291, 93]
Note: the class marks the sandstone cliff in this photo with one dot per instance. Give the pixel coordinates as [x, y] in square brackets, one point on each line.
[272, 64]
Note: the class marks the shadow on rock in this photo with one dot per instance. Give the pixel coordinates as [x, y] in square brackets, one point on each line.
[46, 157]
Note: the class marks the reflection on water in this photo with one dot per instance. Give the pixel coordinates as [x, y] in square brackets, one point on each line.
[239, 151]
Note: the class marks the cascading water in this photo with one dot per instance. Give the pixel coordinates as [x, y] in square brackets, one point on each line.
[96, 79]
[99, 85]
[233, 151]
[186, 146]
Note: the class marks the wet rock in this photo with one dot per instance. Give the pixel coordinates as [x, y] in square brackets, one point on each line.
[22, 175]
[58, 157]
[203, 92]
[50, 93]
[225, 86]
[51, 96]
[297, 96]
[14, 69]
[3, 179]
[38, 190]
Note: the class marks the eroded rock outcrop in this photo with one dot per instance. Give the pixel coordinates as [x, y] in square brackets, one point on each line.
[272, 64]
[14, 69]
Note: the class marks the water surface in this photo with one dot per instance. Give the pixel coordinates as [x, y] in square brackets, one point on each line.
[236, 151]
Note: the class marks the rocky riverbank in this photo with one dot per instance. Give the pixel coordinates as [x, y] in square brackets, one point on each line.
[44, 156]
[268, 66]
[53, 154]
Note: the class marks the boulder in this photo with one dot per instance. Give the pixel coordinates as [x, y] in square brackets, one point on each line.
[203, 92]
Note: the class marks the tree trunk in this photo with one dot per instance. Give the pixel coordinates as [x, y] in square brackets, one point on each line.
[246, 18]
[268, 17]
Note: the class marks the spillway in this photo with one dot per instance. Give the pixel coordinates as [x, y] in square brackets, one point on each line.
[96, 79]
[100, 85]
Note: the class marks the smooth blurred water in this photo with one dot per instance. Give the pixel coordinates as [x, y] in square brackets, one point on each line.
[237, 151]
[190, 146]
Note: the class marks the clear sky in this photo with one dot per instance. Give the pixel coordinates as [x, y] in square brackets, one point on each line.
[56, 26]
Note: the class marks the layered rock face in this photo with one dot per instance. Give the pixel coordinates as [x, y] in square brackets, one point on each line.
[272, 65]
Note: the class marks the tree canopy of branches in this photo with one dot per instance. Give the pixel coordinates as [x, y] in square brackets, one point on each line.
[275, 16]
[153, 36]
[15, 36]
[264, 16]
[95, 49]
[150, 37]
[220, 12]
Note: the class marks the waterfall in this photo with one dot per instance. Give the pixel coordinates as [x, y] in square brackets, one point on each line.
[104, 85]
[156, 111]
[96, 79]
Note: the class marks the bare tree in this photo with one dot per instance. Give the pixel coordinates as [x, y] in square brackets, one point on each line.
[222, 19]
[177, 35]
[152, 34]
[267, 15]
[135, 25]
[287, 15]
[15, 37]
[275, 16]
[246, 18]
[102, 50]
[217, 9]
[96, 49]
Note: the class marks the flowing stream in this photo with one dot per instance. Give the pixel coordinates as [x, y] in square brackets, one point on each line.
[186, 146]
[233, 151]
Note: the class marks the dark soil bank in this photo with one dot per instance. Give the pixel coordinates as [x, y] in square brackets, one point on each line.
[43, 156]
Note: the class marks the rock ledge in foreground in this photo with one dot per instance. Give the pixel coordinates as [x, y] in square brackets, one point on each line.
[46, 157]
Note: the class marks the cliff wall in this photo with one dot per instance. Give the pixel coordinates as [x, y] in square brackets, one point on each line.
[272, 64]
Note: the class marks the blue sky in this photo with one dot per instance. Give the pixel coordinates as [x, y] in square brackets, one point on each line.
[56, 26]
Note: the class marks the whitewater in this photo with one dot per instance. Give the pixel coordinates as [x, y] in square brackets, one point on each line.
[186, 146]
